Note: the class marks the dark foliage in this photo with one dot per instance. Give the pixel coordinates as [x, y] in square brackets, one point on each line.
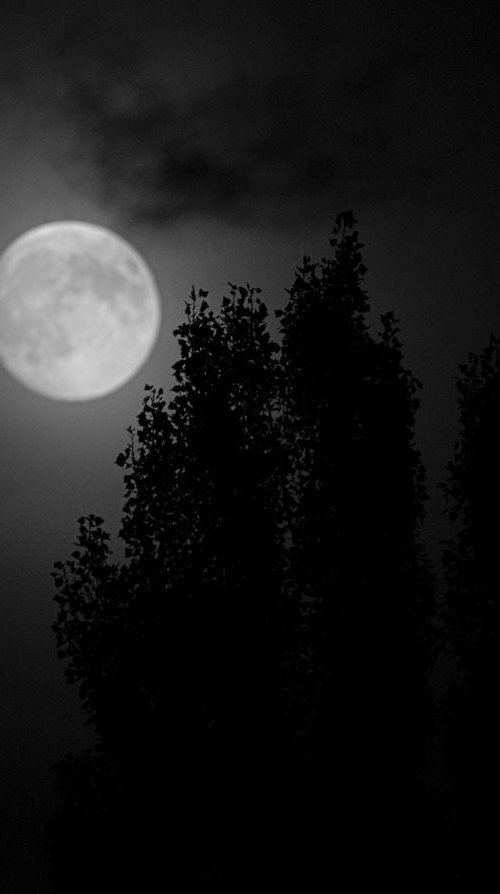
[257, 669]
[358, 579]
[472, 570]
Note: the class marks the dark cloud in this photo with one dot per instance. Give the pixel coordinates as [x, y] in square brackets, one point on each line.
[231, 141]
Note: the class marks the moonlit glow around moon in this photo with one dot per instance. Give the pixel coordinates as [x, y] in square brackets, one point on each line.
[79, 310]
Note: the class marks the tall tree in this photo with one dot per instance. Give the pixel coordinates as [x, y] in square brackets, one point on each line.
[359, 581]
[175, 650]
[471, 563]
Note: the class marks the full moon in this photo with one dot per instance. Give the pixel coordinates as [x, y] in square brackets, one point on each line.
[79, 310]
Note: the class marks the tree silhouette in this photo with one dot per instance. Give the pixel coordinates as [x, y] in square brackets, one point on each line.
[362, 587]
[471, 563]
[256, 669]
[174, 651]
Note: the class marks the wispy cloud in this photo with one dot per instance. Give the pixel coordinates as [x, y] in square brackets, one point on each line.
[239, 143]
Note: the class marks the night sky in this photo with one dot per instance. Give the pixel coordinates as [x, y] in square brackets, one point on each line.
[222, 139]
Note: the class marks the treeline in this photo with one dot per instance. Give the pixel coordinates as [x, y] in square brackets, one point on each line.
[257, 669]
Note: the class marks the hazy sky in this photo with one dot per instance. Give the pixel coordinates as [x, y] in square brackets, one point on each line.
[222, 139]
